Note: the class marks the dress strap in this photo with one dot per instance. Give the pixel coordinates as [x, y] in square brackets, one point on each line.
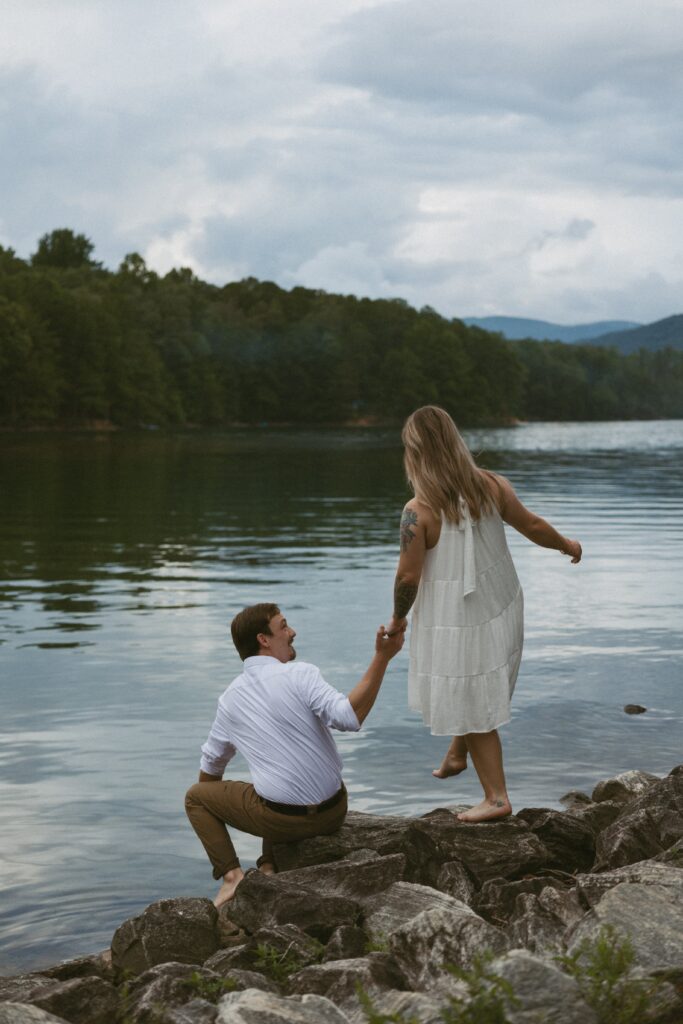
[469, 576]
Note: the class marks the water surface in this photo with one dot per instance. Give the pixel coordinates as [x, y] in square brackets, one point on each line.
[125, 557]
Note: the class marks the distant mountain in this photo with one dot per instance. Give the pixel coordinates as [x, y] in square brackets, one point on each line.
[515, 327]
[667, 333]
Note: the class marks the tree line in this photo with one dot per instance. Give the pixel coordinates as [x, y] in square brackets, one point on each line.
[80, 343]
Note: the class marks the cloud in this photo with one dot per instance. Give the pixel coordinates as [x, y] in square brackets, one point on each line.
[492, 158]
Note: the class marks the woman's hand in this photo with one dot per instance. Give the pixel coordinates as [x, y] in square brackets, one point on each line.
[573, 549]
[396, 626]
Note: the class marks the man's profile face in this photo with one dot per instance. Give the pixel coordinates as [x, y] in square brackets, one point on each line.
[280, 643]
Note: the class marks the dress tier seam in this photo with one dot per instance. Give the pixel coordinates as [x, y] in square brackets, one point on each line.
[476, 625]
[470, 675]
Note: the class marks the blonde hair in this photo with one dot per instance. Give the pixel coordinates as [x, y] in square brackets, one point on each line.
[440, 467]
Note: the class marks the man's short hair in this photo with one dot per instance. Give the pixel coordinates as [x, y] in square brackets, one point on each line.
[247, 625]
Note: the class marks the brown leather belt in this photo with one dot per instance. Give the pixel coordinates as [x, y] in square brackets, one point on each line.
[303, 809]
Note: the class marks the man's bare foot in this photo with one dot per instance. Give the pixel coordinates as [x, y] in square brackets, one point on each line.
[450, 766]
[231, 879]
[267, 868]
[487, 810]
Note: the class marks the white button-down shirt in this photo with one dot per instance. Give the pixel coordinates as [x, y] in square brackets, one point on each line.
[279, 717]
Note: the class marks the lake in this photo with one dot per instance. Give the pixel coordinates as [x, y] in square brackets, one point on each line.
[125, 557]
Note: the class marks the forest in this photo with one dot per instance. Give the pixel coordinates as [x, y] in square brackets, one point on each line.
[82, 345]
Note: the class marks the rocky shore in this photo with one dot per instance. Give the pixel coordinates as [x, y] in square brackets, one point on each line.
[547, 917]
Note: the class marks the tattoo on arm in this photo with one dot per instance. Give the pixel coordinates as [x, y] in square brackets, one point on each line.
[404, 598]
[408, 521]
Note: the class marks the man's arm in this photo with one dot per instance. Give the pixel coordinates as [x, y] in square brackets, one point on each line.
[205, 777]
[364, 694]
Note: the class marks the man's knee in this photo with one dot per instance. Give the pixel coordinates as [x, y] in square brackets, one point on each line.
[192, 797]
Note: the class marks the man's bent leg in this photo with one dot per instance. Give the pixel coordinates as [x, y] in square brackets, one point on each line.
[208, 805]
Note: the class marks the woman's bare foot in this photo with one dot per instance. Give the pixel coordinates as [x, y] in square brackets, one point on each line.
[487, 810]
[450, 766]
[231, 879]
[267, 868]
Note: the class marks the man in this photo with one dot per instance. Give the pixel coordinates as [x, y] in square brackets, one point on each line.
[279, 715]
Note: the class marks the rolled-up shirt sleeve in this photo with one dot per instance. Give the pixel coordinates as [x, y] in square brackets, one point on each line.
[332, 707]
[218, 749]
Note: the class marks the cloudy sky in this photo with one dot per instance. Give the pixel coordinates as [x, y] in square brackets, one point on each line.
[482, 157]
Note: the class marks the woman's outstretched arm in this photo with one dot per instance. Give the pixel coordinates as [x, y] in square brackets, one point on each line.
[531, 526]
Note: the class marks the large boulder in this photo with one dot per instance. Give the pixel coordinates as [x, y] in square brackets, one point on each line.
[87, 1000]
[339, 980]
[401, 902]
[649, 915]
[262, 901]
[592, 887]
[541, 921]
[360, 832]
[155, 995]
[425, 946]
[455, 880]
[624, 787]
[570, 840]
[255, 1007]
[597, 816]
[491, 849]
[542, 992]
[648, 825]
[496, 901]
[181, 930]
[275, 952]
[346, 943]
[357, 876]
[24, 1013]
[83, 967]
[412, 1007]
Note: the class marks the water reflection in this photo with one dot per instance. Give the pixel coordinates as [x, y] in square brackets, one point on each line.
[124, 559]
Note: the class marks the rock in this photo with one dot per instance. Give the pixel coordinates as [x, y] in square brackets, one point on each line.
[374, 832]
[290, 941]
[80, 1000]
[197, 1011]
[648, 914]
[242, 980]
[575, 799]
[648, 825]
[435, 938]
[233, 959]
[353, 877]
[83, 966]
[229, 933]
[413, 1007]
[339, 980]
[491, 849]
[24, 1013]
[455, 880]
[598, 816]
[624, 787]
[402, 902]
[262, 901]
[540, 922]
[570, 841]
[497, 899]
[542, 991]
[156, 994]
[20, 988]
[252, 1007]
[673, 856]
[634, 709]
[181, 930]
[346, 943]
[592, 887]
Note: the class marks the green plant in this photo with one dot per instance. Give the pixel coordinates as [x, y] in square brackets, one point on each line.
[377, 945]
[210, 989]
[375, 1016]
[280, 964]
[600, 968]
[487, 999]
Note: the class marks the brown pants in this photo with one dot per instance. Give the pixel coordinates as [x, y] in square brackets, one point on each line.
[211, 806]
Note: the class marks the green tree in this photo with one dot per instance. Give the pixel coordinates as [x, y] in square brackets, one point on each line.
[63, 248]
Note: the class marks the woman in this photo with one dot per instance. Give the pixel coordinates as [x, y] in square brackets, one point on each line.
[467, 624]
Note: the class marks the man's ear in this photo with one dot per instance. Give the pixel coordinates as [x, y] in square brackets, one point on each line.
[262, 639]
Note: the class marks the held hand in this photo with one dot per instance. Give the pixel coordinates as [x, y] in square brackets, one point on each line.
[573, 549]
[395, 625]
[389, 643]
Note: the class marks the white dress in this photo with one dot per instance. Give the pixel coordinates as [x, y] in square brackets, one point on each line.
[467, 629]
